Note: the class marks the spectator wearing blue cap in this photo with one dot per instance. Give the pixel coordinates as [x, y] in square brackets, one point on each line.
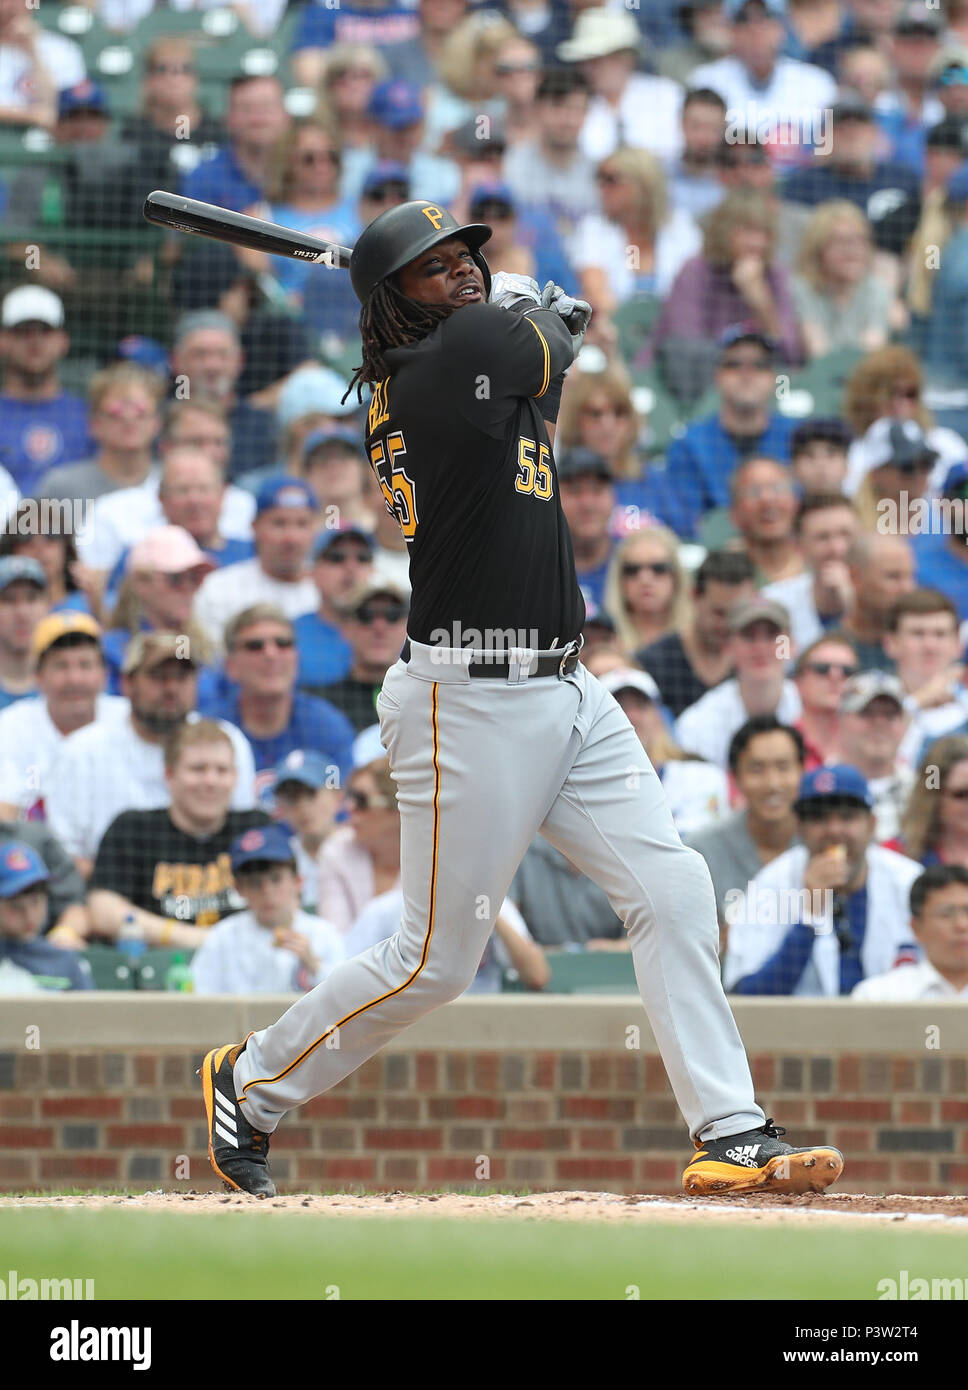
[236, 173]
[207, 354]
[941, 555]
[261, 665]
[23, 603]
[829, 912]
[306, 796]
[285, 523]
[342, 561]
[701, 462]
[27, 961]
[335, 467]
[397, 115]
[851, 167]
[273, 946]
[374, 622]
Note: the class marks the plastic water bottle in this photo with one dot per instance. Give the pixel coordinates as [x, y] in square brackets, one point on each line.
[131, 938]
[178, 976]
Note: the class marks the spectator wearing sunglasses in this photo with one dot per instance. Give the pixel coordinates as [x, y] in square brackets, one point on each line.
[286, 517]
[873, 722]
[853, 920]
[821, 674]
[934, 826]
[342, 561]
[172, 131]
[824, 526]
[646, 592]
[897, 462]
[374, 622]
[361, 860]
[760, 685]
[125, 422]
[261, 663]
[922, 640]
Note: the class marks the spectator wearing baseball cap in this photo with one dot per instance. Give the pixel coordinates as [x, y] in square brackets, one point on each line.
[821, 673]
[286, 518]
[873, 722]
[895, 462]
[306, 795]
[374, 622]
[163, 574]
[852, 921]
[759, 648]
[702, 460]
[587, 492]
[24, 602]
[335, 467]
[261, 665]
[697, 792]
[342, 560]
[273, 946]
[41, 424]
[70, 674]
[398, 121]
[28, 962]
[913, 106]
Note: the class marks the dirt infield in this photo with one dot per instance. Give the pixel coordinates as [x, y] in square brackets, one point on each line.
[556, 1206]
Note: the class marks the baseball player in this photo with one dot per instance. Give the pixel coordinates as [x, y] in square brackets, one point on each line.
[494, 729]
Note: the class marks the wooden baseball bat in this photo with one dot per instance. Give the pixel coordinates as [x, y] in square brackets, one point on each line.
[206, 219]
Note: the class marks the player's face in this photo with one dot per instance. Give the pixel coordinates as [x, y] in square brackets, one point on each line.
[71, 680]
[263, 659]
[283, 537]
[821, 682]
[22, 605]
[343, 566]
[446, 274]
[768, 775]
[202, 781]
[23, 915]
[272, 894]
[942, 928]
[875, 733]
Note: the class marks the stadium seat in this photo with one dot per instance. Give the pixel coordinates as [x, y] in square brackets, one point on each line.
[111, 968]
[154, 964]
[666, 415]
[634, 320]
[78, 23]
[585, 972]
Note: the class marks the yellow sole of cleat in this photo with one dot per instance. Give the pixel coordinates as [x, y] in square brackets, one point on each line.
[787, 1173]
[211, 1065]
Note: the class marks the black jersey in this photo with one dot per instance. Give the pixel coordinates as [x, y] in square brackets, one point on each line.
[457, 439]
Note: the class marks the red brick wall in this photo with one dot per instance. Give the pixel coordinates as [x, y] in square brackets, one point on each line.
[600, 1120]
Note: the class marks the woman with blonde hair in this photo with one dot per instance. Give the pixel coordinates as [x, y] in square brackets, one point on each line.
[842, 303]
[889, 382]
[646, 590]
[303, 193]
[598, 411]
[468, 84]
[735, 279]
[934, 826]
[637, 243]
[350, 72]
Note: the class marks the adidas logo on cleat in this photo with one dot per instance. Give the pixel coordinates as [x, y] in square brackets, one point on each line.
[225, 1116]
[745, 1155]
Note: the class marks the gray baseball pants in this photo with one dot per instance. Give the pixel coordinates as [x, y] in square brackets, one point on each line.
[480, 767]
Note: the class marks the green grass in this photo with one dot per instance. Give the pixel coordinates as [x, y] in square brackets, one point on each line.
[283, 1255]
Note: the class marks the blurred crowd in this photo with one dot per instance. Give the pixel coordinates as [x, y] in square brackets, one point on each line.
[761, 456]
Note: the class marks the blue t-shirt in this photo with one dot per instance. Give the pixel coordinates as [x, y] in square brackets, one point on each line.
[654, 495]
[592, 582]
[313, 723]
[36, 436]
[222, 180]
[322, 25]
[253, 437]
[939, 568]
[339, 224]
[55, 967]
[701, 462]
[325, 656]
[819, 183]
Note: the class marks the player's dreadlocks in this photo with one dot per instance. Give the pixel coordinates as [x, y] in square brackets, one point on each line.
[389, 319]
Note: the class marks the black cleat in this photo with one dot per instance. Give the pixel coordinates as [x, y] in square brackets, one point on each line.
[236, 1151]
[758, 1162]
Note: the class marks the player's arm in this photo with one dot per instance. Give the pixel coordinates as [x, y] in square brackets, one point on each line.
[493, 358]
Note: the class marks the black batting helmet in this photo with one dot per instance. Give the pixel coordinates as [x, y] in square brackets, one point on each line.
[406, 231]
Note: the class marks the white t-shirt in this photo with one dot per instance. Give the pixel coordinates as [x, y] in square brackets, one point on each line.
[380, 919]
[797, 95]
[9, 496]
[60, 57]
[29, 740]
[707, 727]
[796, 595]
[907, 982]
[108, 768]
[931, 724]
[601, 244]
[947, 444]
[120, 519]
[647, 116]
[228, 590]
[697, 793]
[238, 956]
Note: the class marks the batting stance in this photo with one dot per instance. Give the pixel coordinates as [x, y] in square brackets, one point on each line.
[494, 728]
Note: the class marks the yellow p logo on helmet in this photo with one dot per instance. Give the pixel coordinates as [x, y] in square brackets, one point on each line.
[435, 215]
